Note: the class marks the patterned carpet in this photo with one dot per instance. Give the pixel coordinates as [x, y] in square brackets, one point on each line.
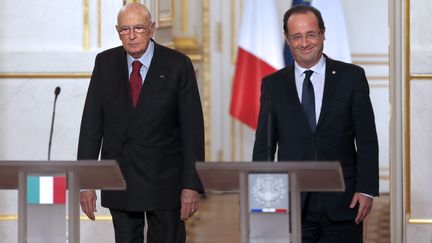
[217, 221]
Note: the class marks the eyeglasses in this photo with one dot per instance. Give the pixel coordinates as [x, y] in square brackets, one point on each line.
[310, 36]
[137, 29]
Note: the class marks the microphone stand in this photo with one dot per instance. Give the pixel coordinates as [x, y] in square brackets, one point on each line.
[56, 93]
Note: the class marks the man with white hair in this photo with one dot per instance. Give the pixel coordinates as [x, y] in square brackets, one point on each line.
[143, 109]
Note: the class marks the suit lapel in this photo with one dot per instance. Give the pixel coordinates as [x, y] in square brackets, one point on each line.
[293, 100]
[331, 80]
[292, 88]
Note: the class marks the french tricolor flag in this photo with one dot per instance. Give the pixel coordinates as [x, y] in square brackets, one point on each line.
[260, 52]
[46, 189]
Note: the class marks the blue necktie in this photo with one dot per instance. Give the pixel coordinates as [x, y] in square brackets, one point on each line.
[308, 100]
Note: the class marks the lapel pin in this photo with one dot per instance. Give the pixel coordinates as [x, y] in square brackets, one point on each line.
[333, 72]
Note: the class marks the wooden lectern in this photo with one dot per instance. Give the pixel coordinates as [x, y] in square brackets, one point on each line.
[82, 174]
[304, 176]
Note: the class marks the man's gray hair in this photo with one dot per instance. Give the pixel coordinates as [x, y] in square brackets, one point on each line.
[138, 6]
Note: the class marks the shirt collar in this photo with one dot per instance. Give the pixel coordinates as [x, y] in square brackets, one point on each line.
[144, 59]
[318, 68]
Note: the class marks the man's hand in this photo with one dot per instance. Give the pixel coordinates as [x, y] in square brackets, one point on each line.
[365, 206]
[88, 203]
[189, 203]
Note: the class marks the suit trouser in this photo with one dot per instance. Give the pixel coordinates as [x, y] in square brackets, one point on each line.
[163, 226]
[318, 227]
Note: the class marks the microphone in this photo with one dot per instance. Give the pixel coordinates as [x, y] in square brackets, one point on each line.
[269, 130]
[56, 93]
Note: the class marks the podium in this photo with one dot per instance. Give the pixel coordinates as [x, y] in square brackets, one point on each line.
[304, 176]
[82, 174]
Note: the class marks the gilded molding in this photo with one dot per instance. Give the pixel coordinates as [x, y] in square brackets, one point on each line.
[8, 217]
[407, 107]
[420, 76]
[189, 46]
[99, 23]
[419, 221]
[206, 78]
[220, 37]
[186, 43]
[233, 129]
[86, 28]
[184, 22]
[233, 31]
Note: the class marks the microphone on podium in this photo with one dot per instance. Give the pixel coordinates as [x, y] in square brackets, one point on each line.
[56, 93]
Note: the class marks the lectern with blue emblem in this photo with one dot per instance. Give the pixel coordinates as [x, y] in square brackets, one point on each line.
[270, 208]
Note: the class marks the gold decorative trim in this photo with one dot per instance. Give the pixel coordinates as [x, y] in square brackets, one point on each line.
[407, 99]
[419, 221]
[8, 217]
[14, 217]
[45, 75]
[98, 218]
[420, 76]
[186, 43]
[99, 23]
[184, 22]
[233, 130]
[219, 37]
[206, 78]
[195, 57]
[233, 31]
[86, 28]
[189, 46]
[242, 127]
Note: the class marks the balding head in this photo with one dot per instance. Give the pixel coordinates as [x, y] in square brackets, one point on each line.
[134, 7]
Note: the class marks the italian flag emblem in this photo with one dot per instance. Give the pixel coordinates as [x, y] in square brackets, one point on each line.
[46, 189]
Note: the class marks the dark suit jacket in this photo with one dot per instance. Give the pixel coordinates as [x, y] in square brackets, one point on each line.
[345, 130]
[157, 143]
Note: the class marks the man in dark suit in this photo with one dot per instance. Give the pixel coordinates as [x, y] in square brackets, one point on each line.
[321, 111]
[155, 132]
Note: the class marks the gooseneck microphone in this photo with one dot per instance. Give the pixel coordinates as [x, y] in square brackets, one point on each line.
[56, 93]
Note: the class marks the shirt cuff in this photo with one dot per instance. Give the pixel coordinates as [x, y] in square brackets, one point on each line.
[367, 195]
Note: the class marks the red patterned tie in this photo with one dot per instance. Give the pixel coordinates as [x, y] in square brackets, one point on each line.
[135, 81]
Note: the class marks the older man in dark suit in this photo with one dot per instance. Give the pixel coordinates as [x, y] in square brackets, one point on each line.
[321, 111]
[143, 109]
